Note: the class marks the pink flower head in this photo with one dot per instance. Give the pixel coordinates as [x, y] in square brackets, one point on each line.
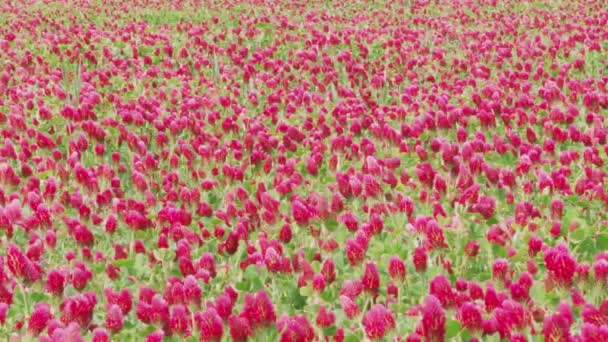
[210, 325]
[371, 278]
[470, 316]
[78, 308]
[433, 320]
[114, 318]
[560, 264]
[39, 318]
[378, 321]
[179, 319]
[325, 318]
[420, 259]
[355, 252]
[239, 328]
[258, 309]
[441, 289]
[295, 329]
[351, 309]
[396, 268]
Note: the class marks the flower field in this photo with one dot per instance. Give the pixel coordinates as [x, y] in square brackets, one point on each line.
[285, 170]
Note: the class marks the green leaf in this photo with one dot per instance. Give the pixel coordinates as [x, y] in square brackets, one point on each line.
[570, 215]
[140, 266]
[44, 175]
[492, 220]
[578, 235]
[331, 224]
[538, 292]
[587, 246]
[433, 271]
[340, 261]
[309, 251]
[98, 268]
[330, 331]
[465, 335]
[329, 295]
[452, 328]
[128, 325]
[352, 338]
[298, 300]
[256, 284]
[498, 251]
[37, 297]
[129, 262]
[602, 242]
[306, 291]
[213, 199]
[252, 273]
[242, 286]
[143, 332]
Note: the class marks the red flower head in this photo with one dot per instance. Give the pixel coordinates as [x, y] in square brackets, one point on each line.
[349, 220]
[151, 307]
[470, 316]
[328, 270]
[3, 312]
[557, 209]
[55, 281]
[351, 309]
[591, 314]
[396, 268]
[80, 276]
[207, 262]
[69, 333]
[354, 252]
[485, 206]
[518, 338]
[351, 288]
[224, 305]
[435, 237]
[318, 282]
[100, 335]
[472, 248]
[378, 321]
[371, 278]
[556, 328]
[39, 318]
[114, 318]
[295, 329]
[420, 259]
[78, 308]
[510, 316]
[20, 265]
[179, 319]
[441, 289]
[592, 332]
[500, 269]
[560, 264]
[210, 325]
[475, 290]
[325, 318]
[301, 212]
[239, 328]
[534, 245]
[156, 336]
[122, 298]
[192, 290]
[600, 267]
[285, 234]
[258, 309]
[433, 320]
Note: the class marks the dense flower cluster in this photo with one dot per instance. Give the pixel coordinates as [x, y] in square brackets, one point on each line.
[303, 170]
